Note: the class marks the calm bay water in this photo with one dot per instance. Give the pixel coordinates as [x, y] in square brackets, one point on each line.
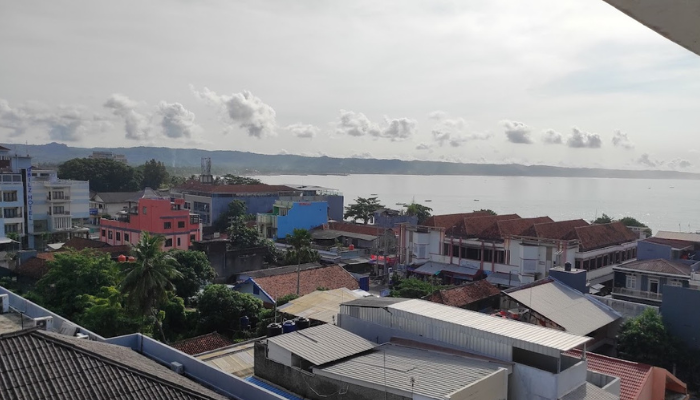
[662, 204]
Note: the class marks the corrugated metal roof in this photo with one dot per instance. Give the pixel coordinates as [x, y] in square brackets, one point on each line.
[320, 305]
[434, 268]
[322, 344]
[236, 360]
[515, 333]
[565, 306]
[435, 374]
[499, 278]
[332, 234]
[589, 391]
[685, 236]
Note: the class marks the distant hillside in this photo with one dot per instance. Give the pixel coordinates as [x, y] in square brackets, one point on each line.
[226, 161]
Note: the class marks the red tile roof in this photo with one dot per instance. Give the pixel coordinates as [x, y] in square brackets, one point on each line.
[330, 277]
[464, 295]
[477, 226]
[233, 189]
[202, 344]
[36, 267]
[559, 230]
[447, 221]
[372, 230]
[512, 227]
[633, 376]
[598, 236]
[78, 243]
[659, 265]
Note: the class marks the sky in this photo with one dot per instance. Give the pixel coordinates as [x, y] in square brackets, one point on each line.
[571, 83]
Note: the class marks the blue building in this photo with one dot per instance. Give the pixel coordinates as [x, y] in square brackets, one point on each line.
[15, 184]
[288, 215]
[209, 200]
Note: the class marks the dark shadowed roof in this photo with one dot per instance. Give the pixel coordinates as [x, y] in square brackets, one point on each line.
[505, 228]
[449, 220]
[78, 243]
[598, 236]
[43, 365]
[287, 269]
[474, 226]
[658, 265]
[118, 197]
[233, 189]
[372, 230]
[329, 277]
[559, 230]
[464, 295]
[201, 344]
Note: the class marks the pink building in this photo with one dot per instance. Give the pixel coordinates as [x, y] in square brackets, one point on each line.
[156, 215]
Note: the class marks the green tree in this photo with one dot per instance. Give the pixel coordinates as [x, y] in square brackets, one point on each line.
[176, 180]
[413, 288]
[221, 308]
[420, 211]
[72, 274]
[230, 179]
[286, 299]
[487, 210]
[148, 279]
[153, 174]
[105, 315]
[235, 209]
[300, 240]
[241, 236]
[630, 221]
[603, 219]
[195, 270]
[645, 339]
[105, 175]
[363, 209]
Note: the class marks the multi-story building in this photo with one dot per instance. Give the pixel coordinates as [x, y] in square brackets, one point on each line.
[60, 208]
[156, 215]
[517, 250]
[108, 155]
[104, 204]
[288, 215]
[15, 172]
[209, 200]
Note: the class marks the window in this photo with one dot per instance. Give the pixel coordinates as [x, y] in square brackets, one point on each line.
[58, 210]
[144, 210]
[675, 283]
[631, 282]
[126, 238]
[119, 236]
[180, 224]
[168, 243]
[193, 238]
[187, 205]
[256, 289]
[10, 195]
[109, 234]
[104, 233]
[178, 242]
[194, 219]
[12, 228]
[654, 285]
[10, 213]
[167, 225]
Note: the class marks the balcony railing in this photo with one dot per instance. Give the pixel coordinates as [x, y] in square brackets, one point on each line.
[58, 212]
[637, 293]
[58, 199]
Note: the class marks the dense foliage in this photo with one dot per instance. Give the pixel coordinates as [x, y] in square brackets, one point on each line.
[363, 209]
[230, 179]
[627, 221]
[196, 272]
[153, 174]
[221, 309]
[487, 210]
[419, 210]
[413, 288]
[105, 175]
[236, 209]
[301, 251]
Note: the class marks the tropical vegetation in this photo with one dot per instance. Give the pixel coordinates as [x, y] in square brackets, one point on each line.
[363, 209]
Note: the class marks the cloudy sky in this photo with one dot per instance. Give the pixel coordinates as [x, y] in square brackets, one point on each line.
[571, 83]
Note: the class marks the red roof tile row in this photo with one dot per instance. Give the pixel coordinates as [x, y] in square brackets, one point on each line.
[330, 277]
[633, 376]
[372, 230]
[202, 344]
[464, 295]
[598, 236]
[447, 221]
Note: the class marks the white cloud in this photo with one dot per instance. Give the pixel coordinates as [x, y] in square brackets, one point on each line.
[437, 115]
[177, 121]
[580, 139]
[245, 109]
[303, 131]
[455, 132]
[550, 136]
[399, 129]
[517, 132]
[646, 160]
[63, 123]
[136, 124]
[357, 124]
[622, 140]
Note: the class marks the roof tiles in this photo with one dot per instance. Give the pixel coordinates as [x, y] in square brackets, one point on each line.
[447, 221]
[371, 230]
[633, 376]
[658, 265]
[559, 230]
[330, 277]
[201, 344]
[598, 236]
[464, 295]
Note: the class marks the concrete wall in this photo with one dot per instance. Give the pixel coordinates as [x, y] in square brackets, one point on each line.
[681, 314]
[254, 204]
[495, 387]
[336, 207]
[610, 384]
[650, 251]
[302, 216]
[279, 355]
[312, 386]
[627, 309]
[229, 263]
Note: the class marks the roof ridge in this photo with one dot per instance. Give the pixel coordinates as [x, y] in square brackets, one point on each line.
[115, 363]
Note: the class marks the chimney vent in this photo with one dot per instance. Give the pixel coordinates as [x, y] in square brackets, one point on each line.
[567, 266]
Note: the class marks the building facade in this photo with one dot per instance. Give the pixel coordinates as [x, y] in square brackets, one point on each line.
[15, 215]
[288, 215]
[643, 281]
[108, 155]
[157, 216]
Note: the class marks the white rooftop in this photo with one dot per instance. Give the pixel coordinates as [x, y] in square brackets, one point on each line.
[686, 236]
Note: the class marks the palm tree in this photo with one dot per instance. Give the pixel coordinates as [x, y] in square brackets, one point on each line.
[148, 279]
[300, 240]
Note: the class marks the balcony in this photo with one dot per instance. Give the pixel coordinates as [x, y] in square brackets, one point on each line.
[57, 199]
[51, 212]
[638, 294]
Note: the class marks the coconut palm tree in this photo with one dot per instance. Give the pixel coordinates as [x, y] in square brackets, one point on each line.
[300, 240]
[148, 279]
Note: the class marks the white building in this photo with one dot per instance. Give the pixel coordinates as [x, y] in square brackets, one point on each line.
[514, 250]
